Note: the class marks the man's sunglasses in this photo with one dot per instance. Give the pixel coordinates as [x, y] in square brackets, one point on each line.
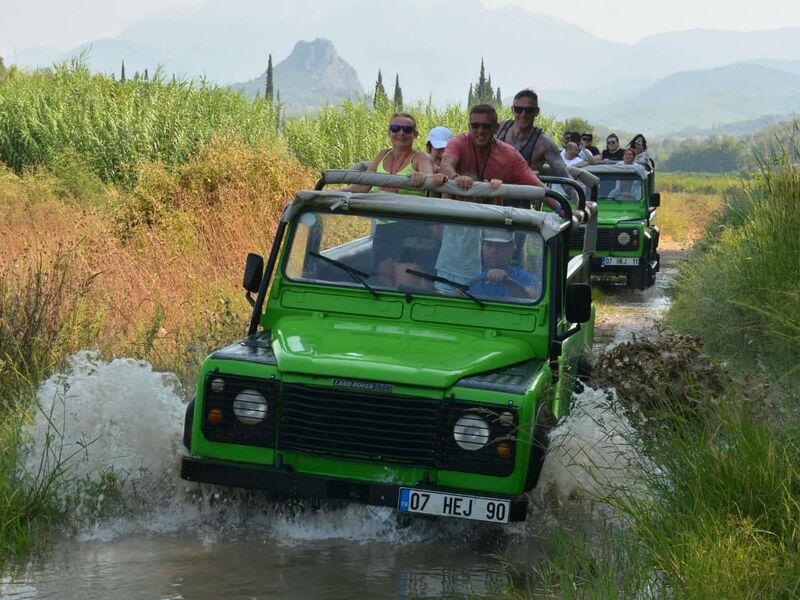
[484, 126]
[586, 139]
[609, 142]
[528, 110]
[404, 128]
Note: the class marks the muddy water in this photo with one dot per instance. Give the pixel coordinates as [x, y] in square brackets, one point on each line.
[177, 540]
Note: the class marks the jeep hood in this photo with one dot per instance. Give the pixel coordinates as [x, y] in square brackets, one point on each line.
[401, 353]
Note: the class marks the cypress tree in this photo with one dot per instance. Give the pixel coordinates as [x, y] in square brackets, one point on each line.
[146, 77]
[498, 99]
[380, 98]
[470, 97]
[398, 93]
[268, 94]
[122, 73]
[483, 92]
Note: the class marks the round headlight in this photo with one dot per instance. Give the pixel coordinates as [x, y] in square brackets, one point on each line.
[250, 407]
[218, 385]
[624, 238]
[471, 432]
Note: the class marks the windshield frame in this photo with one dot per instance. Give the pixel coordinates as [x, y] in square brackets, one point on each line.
[383, 291]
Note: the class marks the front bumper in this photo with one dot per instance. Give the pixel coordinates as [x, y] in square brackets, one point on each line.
[273, 479]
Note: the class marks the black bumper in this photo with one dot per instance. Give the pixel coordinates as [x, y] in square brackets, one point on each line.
[256, 477]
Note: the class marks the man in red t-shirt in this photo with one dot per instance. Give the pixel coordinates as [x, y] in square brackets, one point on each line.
[478, 156]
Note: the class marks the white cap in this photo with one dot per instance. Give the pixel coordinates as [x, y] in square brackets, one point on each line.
[497, 235]
[439, 136]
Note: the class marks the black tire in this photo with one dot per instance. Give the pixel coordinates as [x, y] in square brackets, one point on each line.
[187, 425]
[583, 374]
[545, 421]
[637, 278]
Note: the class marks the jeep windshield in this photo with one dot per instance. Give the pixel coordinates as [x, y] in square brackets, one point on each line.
[619, 186]
[414, 256]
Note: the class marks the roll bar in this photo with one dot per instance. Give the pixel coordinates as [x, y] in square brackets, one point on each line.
[529, 193]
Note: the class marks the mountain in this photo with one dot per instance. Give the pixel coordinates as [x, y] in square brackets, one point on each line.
[436, 46]
[311, 75]
[694, 100]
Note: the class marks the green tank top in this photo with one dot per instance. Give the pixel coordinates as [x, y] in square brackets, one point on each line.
[407, 170]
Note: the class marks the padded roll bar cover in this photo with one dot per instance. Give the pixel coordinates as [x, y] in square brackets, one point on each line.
[478, 190]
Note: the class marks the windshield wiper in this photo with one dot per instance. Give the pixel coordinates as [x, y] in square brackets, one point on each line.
[464, 289]
[355, 274]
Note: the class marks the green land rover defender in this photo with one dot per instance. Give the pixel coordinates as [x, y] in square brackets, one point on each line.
[627, 238]
[403, 351]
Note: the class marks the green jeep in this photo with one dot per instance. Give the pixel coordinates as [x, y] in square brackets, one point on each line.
[387, 363]
[627, 239]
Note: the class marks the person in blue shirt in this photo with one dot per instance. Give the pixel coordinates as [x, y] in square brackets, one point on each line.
[499, 278]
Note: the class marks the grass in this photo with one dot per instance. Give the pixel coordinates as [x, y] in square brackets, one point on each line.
[746, 275]
[714, 514]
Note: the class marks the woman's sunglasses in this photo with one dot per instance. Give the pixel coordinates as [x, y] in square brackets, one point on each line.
[528, 110]
[404, 128]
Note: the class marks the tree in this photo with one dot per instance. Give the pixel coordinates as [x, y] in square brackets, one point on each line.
[576, 124]
[711, 155]
[398, 94]
[483, 92]
[470, 97]
[380, 98]
[122, 73]
[498, 101]
[3, 71]
[268, 93]
[146, 76]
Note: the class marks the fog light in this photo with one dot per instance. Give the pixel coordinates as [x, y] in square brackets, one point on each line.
[214, 416]
[504, 450]
[250, 407]
[218, 385]
[471, 432]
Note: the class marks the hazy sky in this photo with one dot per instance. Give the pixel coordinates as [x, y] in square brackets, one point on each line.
[68, 23]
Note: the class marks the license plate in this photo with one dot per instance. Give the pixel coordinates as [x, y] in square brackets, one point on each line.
[453, 505]
[617, 261]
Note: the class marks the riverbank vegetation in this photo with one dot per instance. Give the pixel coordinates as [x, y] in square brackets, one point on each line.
[126, 210]
[711, 506]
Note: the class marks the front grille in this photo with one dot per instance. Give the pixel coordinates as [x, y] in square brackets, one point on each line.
[361, 425]
[389, 428]
[605, 238]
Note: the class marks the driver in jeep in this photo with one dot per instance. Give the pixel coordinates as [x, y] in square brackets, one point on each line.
[499, 278]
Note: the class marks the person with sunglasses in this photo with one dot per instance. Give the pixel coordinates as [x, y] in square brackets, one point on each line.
[586, 142]
[388, 240]
[470, 157]
[639, 146]
[478, 156]
[613, 152]
[401, 158]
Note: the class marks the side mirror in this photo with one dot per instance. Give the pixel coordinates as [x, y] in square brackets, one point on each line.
[578, 304]
[253, 272]
[655, 199]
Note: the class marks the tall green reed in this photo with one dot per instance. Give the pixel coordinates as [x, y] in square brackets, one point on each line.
[117, 125]
[740, 289]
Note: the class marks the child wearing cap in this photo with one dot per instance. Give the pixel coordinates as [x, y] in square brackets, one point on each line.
[437, 142]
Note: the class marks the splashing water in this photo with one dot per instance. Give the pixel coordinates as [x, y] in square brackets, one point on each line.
[123, 417]
[593, 452]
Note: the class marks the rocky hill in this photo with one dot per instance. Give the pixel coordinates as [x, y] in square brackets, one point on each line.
[311, 75]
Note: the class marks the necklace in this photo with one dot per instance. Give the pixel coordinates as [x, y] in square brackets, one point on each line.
[392, 169]
[481, 170]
